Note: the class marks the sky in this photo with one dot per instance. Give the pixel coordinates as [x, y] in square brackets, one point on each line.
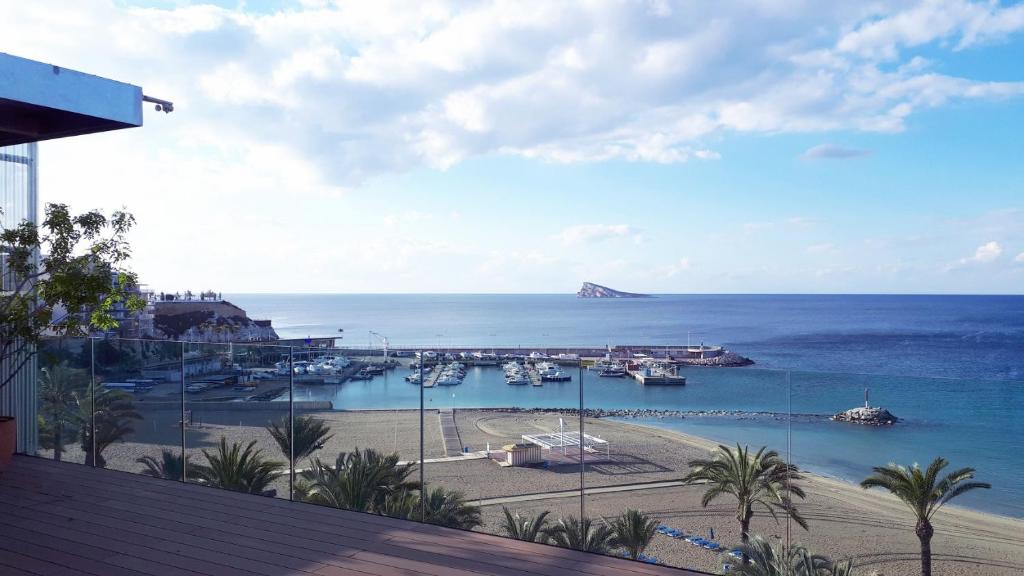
[754, 146]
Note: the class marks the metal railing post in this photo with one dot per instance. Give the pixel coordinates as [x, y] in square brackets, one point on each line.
[291, 423]
[92, 398]
[423, 486]
[583, 465]
[184, 440]
[789, 452]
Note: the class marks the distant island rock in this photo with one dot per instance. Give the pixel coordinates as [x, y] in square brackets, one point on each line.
[591, 290]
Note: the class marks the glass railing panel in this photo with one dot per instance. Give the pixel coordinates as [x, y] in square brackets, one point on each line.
[369, 416]
[64, 388]
[845, 425]
[504, 426]
[138, 406]
[652, 421]
[231, 410]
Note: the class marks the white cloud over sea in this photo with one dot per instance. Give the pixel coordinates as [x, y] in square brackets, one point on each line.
[363, 88]
[284, 118]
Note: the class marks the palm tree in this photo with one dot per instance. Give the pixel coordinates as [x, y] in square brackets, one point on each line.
[111, 420]
[237, 469]
[766, 559]
[924, 493]
[359, 480]
[760, 480]
[633, 532]
[404, 505]
[170, 466]
[449, 508]
[59, 387]
[582, 534]
[311, 434]
[528, 528]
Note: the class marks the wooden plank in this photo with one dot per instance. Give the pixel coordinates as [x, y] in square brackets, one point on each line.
[99, 523]
[290, 536]
[42, 544]
[11, 555]
[364, 516]
[83, 538]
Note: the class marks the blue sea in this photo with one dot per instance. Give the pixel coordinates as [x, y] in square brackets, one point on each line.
[951, 367]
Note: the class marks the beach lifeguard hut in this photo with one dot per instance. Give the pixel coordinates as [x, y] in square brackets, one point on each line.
[522, 454]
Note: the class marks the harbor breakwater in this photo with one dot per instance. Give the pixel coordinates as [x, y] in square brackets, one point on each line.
[637, 413]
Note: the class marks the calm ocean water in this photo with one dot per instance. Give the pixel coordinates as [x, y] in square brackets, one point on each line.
[952, 367]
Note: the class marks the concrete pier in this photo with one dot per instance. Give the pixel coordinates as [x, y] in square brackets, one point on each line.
[657, 378]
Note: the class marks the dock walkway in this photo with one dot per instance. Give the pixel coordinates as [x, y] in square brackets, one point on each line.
[450, 432]
[534, 375]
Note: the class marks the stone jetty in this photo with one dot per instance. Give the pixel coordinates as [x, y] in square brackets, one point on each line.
[870, 415]
[659, 413]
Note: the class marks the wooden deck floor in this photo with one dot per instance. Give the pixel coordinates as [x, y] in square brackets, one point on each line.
[61, 519]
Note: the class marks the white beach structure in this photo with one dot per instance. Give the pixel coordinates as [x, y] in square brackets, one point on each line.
[566, 440]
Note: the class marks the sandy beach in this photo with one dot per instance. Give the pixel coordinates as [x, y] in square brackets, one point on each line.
[845, 521]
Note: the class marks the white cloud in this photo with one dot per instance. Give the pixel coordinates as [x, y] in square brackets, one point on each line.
[984, 254]
[931, 20]
[1019, 258]
[594, 233]
[833, 152]
[367, 88]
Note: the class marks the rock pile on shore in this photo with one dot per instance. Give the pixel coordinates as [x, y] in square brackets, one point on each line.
[729, 359]
[653, 413]
[870, 415]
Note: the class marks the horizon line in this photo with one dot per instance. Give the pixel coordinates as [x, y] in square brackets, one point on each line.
[325, 293]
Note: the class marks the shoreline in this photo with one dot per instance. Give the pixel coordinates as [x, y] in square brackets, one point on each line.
[621, 416]
[825, 479]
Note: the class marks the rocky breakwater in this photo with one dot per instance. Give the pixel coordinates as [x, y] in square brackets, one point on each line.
[725, 360]
[869, 415]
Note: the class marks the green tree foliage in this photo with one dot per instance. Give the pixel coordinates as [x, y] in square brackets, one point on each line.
[633, 532]
[311, 434]
[582, 534]
[924, 492]
[762, 558]
[361, 480]
[238, 469]
[449, 508]
[60, 419]
[761, 480]
[82, 271]
[112, 413]
[527, 528]
[170, 466]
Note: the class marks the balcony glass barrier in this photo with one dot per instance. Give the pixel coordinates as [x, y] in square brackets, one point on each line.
[64, 383]
[507, 421]
[138, 406]
[602, 448]
[236, 436]
[360, 423]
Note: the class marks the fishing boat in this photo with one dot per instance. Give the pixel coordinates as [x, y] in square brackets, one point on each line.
[613, 371]
[555, 376]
